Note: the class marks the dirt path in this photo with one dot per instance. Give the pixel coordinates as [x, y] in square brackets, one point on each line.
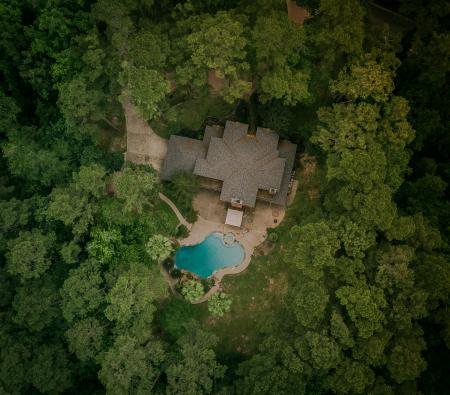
[144, 146]
[296, 13]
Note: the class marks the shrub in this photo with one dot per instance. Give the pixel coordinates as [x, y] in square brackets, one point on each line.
[219, 304]
[175, 273]
[182, 232]
[273, 237]
[192, 290]
[158, 247]
[168, 264]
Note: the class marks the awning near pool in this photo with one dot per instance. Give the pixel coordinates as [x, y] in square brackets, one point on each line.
[234, 217]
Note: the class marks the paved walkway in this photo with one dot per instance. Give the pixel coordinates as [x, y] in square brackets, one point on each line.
[208, 294]
[174, 208]
[144, 146]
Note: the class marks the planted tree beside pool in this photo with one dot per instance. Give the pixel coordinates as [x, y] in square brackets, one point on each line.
[192, 290]
[158, 247]
[219, 304]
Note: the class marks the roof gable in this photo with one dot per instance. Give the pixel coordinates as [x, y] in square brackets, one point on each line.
[245, 163]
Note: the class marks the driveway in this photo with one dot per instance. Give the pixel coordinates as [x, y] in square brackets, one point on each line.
[144, 146]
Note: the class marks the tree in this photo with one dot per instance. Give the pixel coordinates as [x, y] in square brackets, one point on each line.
[86, 338]
[278, 44]
[341, 28]
[175, 314]
[219, 304]
[15, 359]
[145, 87]
[275, 369]
[131, 299]
[137, 186]
[308, 301]
[74, 205]
[8, 113]
[29, 255]
[315, 248]
[290, 86]
[28, 160]
[364, 304]
[196, 369]
[104, 244]
[158, 247]
[80, 104]
[215, 43]
[340, 331]
[346, 126]
[149, 49]
[14, 214]
[82, 292]
[325, 352]
[405, 361]
[364, 79]
[50, 370]
[192, 290]
[36, 305]
[372, 350]
[130, 367]
[351, 377]
[69, 252]
[394, 125]
[355, 238]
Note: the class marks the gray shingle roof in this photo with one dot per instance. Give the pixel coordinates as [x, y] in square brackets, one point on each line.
[287, 151]
[245, 163]
[212, 131]
[182, 153]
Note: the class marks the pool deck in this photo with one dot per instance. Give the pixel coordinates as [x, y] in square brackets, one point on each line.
[212, 213]
[211, 218]
[249, 240]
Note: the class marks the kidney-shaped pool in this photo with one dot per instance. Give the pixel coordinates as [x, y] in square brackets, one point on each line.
[212, 254]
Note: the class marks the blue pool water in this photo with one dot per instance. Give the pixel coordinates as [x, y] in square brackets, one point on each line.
[210, 255]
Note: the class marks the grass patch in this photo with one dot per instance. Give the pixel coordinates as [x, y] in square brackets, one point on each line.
[182, 204]
[190, 115]
[258, 294]
[182, 189]
[164, 219]
[257, 307]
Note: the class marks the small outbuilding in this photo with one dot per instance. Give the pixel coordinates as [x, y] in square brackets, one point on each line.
[234, 217]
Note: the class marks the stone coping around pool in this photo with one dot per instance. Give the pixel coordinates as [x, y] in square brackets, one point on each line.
[215, 275]
[248, 239]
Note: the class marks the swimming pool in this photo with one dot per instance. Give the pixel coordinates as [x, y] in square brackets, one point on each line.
[210, 255]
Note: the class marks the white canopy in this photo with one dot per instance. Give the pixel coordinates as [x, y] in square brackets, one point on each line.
[234, 217]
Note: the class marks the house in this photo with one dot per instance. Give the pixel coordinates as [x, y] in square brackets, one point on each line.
[244, 167]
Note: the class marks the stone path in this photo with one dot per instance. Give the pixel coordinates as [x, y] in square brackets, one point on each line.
[174, 208]
[143, 144]
[208, 294]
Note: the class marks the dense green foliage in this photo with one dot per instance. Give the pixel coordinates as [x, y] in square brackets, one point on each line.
[363, 252]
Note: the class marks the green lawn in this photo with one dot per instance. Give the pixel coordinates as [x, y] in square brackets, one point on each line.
[185, 207]
[258, 292]
[164, 219]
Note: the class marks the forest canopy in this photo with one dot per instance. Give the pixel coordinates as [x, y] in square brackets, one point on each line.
[364, 249]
